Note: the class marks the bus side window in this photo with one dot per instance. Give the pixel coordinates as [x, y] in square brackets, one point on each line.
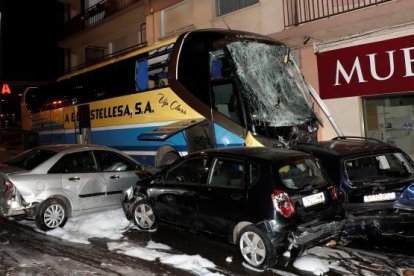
[151, 73]
[141, 75]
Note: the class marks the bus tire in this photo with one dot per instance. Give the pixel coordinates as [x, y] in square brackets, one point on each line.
[168, 158]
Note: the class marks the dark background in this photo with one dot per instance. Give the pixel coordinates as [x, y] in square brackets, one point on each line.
[30, 30]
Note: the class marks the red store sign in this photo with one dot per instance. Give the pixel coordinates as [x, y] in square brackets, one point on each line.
[369, 69]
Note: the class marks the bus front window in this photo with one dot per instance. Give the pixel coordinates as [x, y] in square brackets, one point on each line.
[274, 90]
[224, 97]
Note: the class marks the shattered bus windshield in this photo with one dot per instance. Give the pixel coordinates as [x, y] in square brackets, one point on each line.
[271, 84]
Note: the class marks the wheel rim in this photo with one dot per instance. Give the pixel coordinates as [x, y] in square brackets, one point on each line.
[144, 216]
[54, 215]
[252, 248]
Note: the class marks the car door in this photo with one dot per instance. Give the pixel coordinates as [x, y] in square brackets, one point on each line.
[222, 200]
[176, 201]
[81, 180]
[119, 173]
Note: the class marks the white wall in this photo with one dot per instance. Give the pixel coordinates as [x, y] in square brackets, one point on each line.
[265, 17]
[348, 114]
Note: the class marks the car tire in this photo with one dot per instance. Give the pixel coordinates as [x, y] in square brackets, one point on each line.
[256, 248]
[143, 215]
[51, 214]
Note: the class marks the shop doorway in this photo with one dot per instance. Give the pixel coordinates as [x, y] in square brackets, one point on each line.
[391, 119]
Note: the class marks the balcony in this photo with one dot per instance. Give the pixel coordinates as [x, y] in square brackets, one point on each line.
[95, 15]
[297, 12]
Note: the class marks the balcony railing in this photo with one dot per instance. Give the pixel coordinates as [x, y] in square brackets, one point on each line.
[96, 14]
[107, 57]
[302, 11]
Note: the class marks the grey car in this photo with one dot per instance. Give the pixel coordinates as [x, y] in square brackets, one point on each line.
[52, 183]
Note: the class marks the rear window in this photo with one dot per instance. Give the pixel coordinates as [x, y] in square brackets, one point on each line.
[301, 174]
[30, 159]
[378, 167]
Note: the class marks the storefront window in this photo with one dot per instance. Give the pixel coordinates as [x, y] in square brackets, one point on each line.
[391, 119]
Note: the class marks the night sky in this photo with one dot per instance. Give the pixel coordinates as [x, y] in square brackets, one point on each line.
[30, 30]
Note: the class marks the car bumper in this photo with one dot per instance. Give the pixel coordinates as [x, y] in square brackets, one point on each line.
[310, 236]
[399, 223]
[366, 208]
[9, 208]
[126, 205]
[128, 202]
[298, 238]
[14, 205]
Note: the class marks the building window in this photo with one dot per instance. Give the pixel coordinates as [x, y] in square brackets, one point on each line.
[391, 119]
[347, 3]
[177, 18]
[228, 6]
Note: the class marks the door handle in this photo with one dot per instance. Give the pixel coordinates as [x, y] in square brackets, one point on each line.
[76, 178]
[114, 177]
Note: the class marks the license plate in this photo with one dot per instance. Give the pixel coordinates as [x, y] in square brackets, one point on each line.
[313, 199]
[379, 197]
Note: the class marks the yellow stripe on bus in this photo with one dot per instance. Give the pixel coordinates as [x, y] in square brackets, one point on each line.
[145, 107]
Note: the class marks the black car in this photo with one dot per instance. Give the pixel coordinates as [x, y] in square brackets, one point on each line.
[262, 199]
[372, 176]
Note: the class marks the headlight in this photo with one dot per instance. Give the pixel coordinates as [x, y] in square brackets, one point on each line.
[129, 192]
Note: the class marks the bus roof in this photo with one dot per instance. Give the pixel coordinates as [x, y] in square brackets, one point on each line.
[117, 58]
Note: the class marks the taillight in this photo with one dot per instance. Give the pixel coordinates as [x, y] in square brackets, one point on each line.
[334, 193]
[8, 186]
[283, 204]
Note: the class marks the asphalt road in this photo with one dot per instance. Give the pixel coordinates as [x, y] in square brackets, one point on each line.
[24, 251]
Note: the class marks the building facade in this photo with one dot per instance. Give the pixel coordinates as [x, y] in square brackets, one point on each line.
[357, 54]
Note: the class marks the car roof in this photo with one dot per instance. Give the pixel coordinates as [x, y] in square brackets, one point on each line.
[73, 147]
[257, 153]
[346, 147]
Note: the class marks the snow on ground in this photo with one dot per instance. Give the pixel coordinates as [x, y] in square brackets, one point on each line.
[111, 225]
[311, 264]
[317, 260]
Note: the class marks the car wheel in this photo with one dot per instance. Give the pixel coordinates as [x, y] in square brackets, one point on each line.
[144, 216]
[256, 248]
[51, 214]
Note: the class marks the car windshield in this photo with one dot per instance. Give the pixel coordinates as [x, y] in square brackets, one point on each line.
[30, 159]
[302, 174]
[271, 84]
[378, 168]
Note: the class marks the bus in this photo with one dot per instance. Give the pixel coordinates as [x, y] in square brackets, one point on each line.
[203, 89]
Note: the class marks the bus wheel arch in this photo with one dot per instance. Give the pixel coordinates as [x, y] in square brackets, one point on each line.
[166, 155]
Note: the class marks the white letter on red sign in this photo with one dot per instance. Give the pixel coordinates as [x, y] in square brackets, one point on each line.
[373, 66]
[356, 67]
[408, 62]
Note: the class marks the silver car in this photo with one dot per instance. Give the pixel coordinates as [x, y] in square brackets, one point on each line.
[52, 183]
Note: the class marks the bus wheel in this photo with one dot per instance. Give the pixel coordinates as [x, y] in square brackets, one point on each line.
[169, 158]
